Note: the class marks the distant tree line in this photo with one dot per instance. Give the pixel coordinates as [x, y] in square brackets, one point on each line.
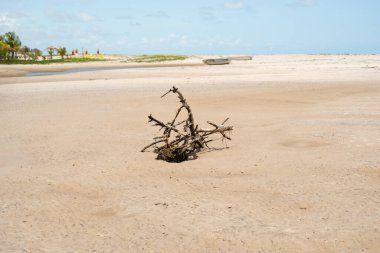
[11, 47]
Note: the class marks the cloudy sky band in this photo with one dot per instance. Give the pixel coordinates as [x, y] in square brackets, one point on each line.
[197, 27]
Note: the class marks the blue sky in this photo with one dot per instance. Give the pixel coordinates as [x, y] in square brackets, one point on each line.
[197, 27]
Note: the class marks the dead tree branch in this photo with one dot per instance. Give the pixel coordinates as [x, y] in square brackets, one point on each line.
[183, 145]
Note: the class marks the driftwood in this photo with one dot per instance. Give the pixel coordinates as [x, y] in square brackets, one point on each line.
[178, 145]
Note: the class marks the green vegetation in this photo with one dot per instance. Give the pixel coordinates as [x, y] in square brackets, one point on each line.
[13, 52]
[14, 43]
[62, 52]
[51, 50]
[10, 46]
[4, 49]
[30, 61]
[157, 58]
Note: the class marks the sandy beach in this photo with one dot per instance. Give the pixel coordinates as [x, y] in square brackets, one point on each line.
[301, 174]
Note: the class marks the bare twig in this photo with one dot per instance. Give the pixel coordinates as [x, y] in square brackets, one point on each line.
[187, 143]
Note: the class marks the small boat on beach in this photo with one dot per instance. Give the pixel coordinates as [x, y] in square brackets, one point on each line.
[217, 61]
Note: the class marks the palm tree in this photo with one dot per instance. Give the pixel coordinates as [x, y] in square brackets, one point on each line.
[4, 49]
[25, 51]
[35, 53]
[14, 43]
[62, 51]
[51, 50]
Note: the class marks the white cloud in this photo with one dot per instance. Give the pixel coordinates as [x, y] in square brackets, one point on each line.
[7, 23]
[234, 5]
[10, 20]
[87, 17]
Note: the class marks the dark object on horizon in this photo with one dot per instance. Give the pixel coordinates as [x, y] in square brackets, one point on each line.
[182, 140]
[221, 61]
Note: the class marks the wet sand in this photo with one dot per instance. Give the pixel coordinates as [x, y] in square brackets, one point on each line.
[301, 174]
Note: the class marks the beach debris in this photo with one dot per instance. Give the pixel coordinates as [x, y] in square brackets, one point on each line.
[221, 61]
[163, 204]
[181, 140]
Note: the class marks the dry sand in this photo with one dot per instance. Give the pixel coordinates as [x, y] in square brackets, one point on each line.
[302, 173]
